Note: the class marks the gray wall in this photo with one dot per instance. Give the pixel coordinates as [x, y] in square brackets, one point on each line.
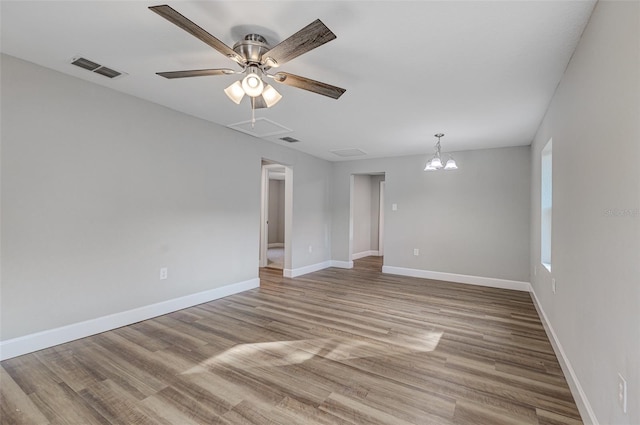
[100, 189]
[375, 211]
[361, 213]
[472, 221]
[594, 120]
[276, 211]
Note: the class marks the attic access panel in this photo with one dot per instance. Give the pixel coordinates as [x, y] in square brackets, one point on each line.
[262, 127]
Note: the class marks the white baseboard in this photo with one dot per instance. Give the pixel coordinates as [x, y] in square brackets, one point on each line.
[40, 340]
[342, 264]
[363, 254]
[459, 278]
[275, 245]
[306, 269]
[584, 407]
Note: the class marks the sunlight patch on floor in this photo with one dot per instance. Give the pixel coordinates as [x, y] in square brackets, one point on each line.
[285, 353]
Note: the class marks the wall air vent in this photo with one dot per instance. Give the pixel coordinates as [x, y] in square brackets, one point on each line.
[289, 139]
[95, 67]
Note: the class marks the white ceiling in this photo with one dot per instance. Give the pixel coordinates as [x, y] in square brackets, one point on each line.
[482, 72]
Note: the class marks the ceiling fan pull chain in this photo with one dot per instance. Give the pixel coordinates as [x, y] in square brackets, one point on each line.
[253, 115]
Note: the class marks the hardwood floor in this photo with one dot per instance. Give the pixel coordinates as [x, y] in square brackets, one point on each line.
[332, 347]
[372, 264]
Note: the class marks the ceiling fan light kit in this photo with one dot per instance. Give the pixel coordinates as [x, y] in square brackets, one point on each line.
[252, 84]
[436, 162]
[235, 92]
[270, 95]
[256, 57]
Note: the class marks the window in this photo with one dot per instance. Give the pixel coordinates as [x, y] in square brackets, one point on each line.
[546, 201]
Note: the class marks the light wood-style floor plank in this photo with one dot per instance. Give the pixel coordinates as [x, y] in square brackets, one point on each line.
[331, 347]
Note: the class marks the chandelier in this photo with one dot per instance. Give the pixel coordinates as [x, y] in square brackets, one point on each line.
[437, 162]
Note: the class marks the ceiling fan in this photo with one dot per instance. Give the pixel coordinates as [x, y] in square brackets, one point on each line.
[256, 57]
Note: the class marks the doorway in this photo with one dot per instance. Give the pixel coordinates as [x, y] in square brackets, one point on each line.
[275, 216]
[367, 216]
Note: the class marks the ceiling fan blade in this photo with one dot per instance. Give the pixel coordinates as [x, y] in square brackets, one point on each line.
[309, 84]
[196, 73]
[179, 20]
[258, 102]
[308, 38]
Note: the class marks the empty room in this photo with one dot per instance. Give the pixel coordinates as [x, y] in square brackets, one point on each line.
[320, 212]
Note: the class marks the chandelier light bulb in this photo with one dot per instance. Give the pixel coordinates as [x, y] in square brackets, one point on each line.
[436, 163]
[429, 167]
[451, 165]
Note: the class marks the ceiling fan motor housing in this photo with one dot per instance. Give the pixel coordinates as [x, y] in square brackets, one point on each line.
[252, 47]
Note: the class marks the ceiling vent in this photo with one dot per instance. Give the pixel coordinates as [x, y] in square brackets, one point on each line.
[289, 139]
[107, 72]
[85, 63]
[96, 67]
[348, 152]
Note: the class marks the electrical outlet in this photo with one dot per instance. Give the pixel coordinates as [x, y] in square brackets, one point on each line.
[622, 393]
[394, 207]
[164, 273]
[310, 249]
[416, 251]
[535, 270]
[553, 284]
